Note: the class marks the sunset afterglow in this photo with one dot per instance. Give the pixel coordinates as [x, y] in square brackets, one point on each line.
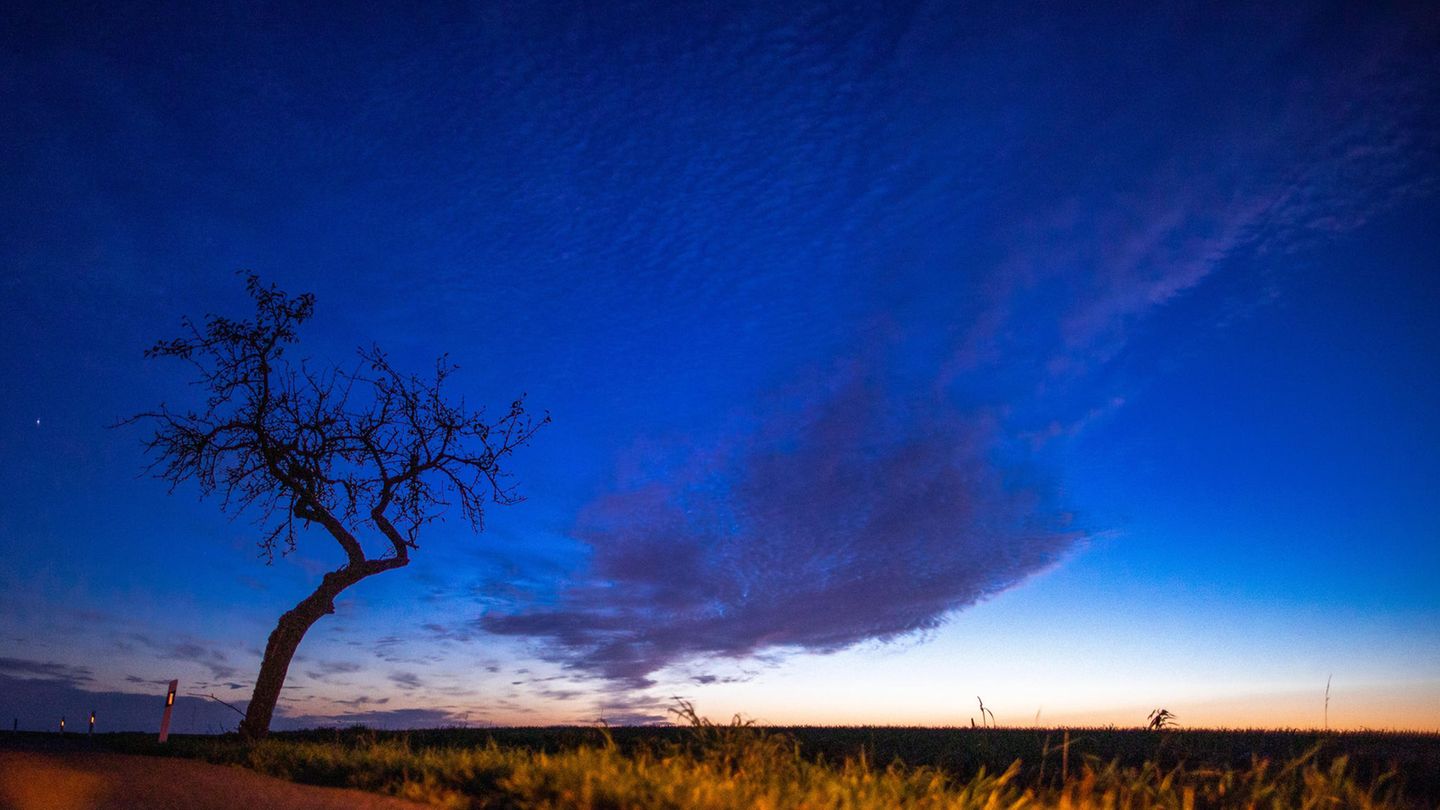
[898, 356]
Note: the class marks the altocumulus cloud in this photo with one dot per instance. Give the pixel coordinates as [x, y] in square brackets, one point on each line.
[852, 517]
[869, 510]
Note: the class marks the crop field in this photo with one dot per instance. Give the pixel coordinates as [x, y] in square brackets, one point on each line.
[705, 765]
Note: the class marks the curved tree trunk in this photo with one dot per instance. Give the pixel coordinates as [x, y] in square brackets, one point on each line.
[286, 637]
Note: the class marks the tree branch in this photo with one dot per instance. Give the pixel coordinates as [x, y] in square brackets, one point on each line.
[347, 450]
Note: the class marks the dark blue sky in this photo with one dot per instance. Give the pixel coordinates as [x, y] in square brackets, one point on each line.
[873, 335]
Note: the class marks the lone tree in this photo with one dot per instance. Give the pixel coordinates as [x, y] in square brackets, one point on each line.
[370, 452]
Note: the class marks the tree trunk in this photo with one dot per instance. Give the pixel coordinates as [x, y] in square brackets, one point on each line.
[286, 637]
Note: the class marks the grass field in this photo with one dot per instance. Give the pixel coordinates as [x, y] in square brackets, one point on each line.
[704, 765]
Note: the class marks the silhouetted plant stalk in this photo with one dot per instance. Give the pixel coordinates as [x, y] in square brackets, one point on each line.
[1327, 702]
[1161, 719]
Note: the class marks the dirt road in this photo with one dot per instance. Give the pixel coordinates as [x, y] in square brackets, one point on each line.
[87, 780]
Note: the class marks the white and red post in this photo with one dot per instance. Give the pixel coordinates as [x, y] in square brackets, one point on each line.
[169, 709]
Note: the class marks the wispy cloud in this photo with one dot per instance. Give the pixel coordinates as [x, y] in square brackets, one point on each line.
[1245, 187]
[212, 658]
[364, 700]
[44, 670]
[632, 710]
[326, 670]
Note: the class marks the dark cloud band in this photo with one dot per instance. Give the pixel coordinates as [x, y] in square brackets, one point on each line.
[854, 518]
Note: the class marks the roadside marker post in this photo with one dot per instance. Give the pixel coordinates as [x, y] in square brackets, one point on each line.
[169, 709]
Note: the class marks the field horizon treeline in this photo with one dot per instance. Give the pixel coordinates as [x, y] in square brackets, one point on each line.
[701, 764]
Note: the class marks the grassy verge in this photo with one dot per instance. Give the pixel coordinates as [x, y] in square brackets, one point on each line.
[735, 766]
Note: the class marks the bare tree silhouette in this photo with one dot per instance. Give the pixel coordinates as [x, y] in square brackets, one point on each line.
[369, 451]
